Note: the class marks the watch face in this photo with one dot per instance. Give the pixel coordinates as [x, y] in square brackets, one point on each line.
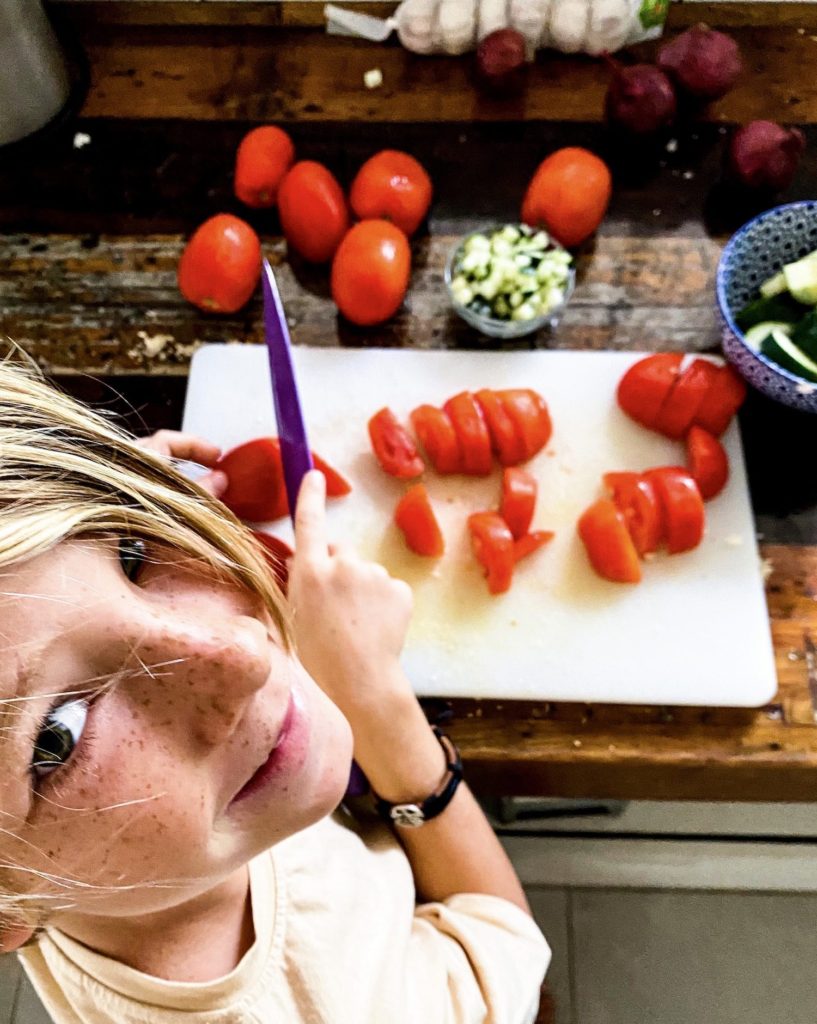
[407, 815]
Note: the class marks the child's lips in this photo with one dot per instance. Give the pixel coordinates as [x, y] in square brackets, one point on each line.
[278, 756]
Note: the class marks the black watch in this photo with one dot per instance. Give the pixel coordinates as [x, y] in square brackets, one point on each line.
[414, 815]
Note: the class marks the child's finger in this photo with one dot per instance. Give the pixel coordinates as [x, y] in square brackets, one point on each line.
[176, 445]
[310, 516]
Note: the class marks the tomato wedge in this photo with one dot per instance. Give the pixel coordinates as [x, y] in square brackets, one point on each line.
[415, 517]
[436, 433]
[684, 400]
[277, 552]
[529, 414]
[493, 547]
[707, 461]
[645, 386]
[518, 500]
[530, 542]
[472, 432]
[506, 440]
[610, 548]
[255, 480]
[725, 396]
[393, 446]
[682, 505]
[634, 496]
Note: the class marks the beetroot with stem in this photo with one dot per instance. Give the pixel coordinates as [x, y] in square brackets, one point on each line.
[704, 63]
[764, 155]
[640, 99]
[502, 62]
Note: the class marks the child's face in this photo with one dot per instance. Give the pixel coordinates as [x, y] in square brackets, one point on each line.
[151, 771]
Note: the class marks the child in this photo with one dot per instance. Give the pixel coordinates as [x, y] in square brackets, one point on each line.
[176, 742]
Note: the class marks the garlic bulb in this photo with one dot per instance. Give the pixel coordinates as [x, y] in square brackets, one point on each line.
[492, 15]
[415, 25]
[529, 18]
[609, 26]
[568, 24]
[456, 26]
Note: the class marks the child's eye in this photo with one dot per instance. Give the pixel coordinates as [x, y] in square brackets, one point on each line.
[132, 557]
[59, 734]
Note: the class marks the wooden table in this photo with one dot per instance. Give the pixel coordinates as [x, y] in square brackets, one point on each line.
[91, 237]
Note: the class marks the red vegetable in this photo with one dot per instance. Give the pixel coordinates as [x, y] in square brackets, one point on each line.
[568, 195]
[634, 496]
[609, 547]
[707, 461]
[277, 553]
[393, 186]
[645, 386]
[370, 272]
[502, 61]
[506, 441]
[640, 99]
[518, 500]
[529, 413]
[530, 542]
[220, 265]
[684, 400]
[702, 62]
[725, 396]
[765, 156]
[682, 507]
[393, 446]
[493, 547]
[263, 158]
[415, 517]
[472, 433]
[313, 211]
[437, 435]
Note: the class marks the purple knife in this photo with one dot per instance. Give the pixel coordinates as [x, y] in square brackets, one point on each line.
[295, 454]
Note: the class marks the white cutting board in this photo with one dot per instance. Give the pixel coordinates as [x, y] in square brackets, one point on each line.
[695, 631]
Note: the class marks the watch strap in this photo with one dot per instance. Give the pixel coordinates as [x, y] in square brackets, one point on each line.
[412, 815]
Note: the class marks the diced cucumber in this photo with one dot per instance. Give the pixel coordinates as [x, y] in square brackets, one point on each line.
[801, 279]
[774, 285]
[785, 353]
[780, 307]
[804, 335]
[756, 335]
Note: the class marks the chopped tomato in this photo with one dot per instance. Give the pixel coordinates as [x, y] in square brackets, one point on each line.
[529, 413]
[725, 396]
[518, 500]
[493, 547]
[634, 496]
[472, 433]
[277, 553]
[530, 542]
[506, 440]
[255, 480]
[393, 446]
[684, 399]
[645, 386]
[707, 462]
[415, 517]
[437, 435]
[610, 548]
[682, 505]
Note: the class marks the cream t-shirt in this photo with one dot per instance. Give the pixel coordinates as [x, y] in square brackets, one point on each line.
[338, 940]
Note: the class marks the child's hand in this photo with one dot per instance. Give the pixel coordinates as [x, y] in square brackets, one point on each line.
[175, 445]
[350, 616]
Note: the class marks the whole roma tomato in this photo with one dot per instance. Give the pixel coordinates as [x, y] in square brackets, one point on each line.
[263, 158]
[707, 461]
[393, 186]
[568, 195]
[415, 517]
[313, 211]
[370, 272]
[393, 446]
[607, 540]
[220, 265]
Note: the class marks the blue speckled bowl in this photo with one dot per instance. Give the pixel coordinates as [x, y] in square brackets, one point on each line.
[753, 254]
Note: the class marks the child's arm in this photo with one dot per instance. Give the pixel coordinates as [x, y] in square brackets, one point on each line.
[350, 621]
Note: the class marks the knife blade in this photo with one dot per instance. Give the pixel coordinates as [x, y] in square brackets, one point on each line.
[296, 456]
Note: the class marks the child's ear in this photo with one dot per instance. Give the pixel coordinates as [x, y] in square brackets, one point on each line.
[14, 935]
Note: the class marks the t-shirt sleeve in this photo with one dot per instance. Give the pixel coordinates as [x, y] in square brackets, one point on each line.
[475, 959]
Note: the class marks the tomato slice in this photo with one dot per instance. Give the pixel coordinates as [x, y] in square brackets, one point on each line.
[472, 432]
[725, 396]
[255, 480]
[493, 547]
[393, 446]
[707, 461]
[530, 542]
[645, 386]
[529, 413]
[518, 500]
[610, 548]
[683, 507]
[415, 517]
[634, 496]
[506, 440]
[436, 433]
[277, 552]
[684, 399]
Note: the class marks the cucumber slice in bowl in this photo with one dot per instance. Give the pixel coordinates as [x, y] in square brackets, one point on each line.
[801, 279]
[778, 347]
[756, 335]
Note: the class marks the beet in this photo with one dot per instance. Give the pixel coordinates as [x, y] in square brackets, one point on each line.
[702, 62]
[502, 61]
[764, 155]
[640, 99]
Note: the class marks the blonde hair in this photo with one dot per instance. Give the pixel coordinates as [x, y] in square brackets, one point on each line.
[68, 472]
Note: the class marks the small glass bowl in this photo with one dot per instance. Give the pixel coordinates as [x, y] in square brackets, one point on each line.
[506, 329]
